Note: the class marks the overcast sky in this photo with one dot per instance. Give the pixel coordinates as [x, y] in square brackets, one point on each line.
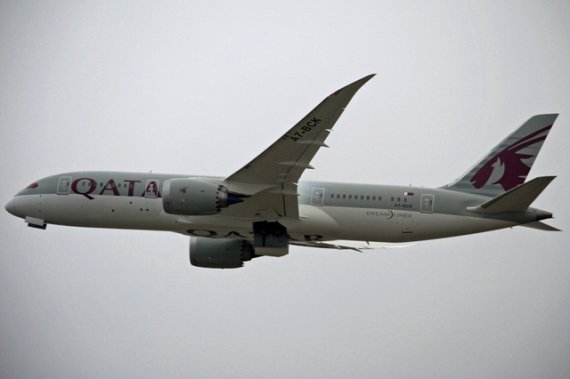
[201, 87]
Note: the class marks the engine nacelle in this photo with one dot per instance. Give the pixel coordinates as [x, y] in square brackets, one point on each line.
[193, 196]
[220, 253]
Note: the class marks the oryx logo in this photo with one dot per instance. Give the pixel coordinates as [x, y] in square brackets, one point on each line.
[507, 168]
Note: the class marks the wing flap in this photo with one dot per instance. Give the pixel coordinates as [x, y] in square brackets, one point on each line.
[352, 245]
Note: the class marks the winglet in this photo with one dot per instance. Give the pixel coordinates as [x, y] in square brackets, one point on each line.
[354, 86]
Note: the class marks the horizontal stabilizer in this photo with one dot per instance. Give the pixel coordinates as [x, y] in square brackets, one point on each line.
[516, 199]
[541, 226]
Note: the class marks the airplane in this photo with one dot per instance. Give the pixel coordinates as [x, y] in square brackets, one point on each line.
[263, 208]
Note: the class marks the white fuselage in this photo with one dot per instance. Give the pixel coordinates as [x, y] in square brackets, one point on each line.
[337, 212]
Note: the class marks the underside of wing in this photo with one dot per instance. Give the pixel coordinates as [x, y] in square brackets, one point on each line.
[351, 245]
[269, 182]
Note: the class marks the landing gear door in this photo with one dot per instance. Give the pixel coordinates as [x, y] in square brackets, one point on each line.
[64, 185]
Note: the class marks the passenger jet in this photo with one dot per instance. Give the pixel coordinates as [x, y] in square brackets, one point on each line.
[263, 208]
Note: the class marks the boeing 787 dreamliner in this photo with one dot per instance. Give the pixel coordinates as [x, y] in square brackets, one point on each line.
[263, 208]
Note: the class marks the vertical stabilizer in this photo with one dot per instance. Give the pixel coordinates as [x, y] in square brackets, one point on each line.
[509, 163]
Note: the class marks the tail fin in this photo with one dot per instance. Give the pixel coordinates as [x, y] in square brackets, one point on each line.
[509, 163]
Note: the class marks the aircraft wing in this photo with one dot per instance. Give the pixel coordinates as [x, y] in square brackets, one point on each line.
[352, 245]
[269, 181]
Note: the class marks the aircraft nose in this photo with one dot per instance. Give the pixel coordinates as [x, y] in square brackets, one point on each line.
[11, 207]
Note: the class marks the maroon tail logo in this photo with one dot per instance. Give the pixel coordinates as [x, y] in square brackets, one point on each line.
[507, 167]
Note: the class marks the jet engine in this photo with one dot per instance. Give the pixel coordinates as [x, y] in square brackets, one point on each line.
[220, 253]
[195, 196]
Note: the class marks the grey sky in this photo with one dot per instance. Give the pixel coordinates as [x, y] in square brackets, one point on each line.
[201, 87]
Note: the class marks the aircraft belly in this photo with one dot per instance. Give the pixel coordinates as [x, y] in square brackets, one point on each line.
[314, 223]
[437, 225]
[106, 212]
[384, 225]
[362, 224]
